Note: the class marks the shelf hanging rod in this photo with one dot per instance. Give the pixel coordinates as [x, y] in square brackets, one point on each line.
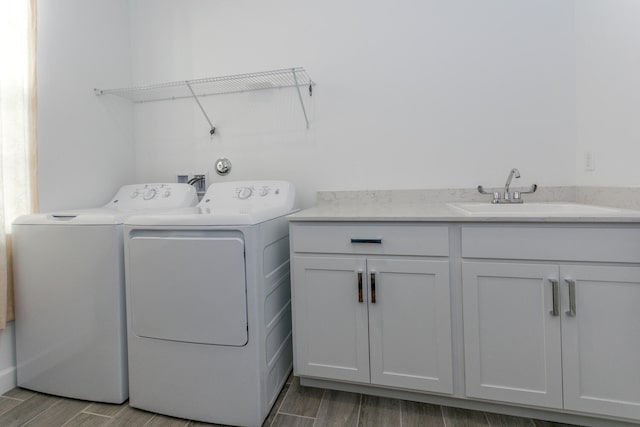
[213, 128]
[304, 111]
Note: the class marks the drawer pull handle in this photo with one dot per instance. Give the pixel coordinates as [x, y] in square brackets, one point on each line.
[360, 287]
[373, 288]
[376, 241]
[555, 292]
[572, 297]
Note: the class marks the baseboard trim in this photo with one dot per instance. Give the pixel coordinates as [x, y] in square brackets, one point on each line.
[7, 379]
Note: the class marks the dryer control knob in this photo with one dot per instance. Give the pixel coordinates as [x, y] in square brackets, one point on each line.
[167, 193]
[264, 191]
[134, 195]
[245, 193]
[150, 194]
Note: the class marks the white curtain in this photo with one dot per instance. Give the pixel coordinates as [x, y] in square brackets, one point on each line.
[17, 130]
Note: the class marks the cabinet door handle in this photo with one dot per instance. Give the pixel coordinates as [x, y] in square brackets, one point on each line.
[360, 287]
[373, 288]
[572, 297]
[555, 292]
[377, 241]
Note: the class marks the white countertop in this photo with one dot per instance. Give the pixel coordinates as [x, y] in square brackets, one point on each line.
[375, 210]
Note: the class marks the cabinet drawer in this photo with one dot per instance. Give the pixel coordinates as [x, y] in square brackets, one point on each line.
[551, 243]
[383, 239]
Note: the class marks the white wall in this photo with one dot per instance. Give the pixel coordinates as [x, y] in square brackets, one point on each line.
[608, 91]
[410, 94]
[85, 143]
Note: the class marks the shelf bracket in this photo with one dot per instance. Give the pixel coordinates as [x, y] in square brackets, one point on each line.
[195, 97]
[304, 111]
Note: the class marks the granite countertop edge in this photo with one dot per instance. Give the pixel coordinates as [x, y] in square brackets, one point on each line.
[441, 212]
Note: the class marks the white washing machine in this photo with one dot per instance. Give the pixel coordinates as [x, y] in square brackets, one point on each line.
[208, 305]
[69, 294]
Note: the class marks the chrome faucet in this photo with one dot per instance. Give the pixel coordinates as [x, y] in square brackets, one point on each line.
[513, 172]
[507, 196]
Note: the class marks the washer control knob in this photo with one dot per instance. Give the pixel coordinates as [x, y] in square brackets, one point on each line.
[134, 194]
[150, 194]
[166, 193]
[263, 191]
[245, 193]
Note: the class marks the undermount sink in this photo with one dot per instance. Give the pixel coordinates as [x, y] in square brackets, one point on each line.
[533, 209]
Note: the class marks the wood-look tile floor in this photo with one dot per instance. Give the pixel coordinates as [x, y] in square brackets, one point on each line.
[297, 406]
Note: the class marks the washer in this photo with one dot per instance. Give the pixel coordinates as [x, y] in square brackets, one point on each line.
[69, 294]
[208, 305]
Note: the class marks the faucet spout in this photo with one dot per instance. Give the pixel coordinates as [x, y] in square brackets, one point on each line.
[514, 172]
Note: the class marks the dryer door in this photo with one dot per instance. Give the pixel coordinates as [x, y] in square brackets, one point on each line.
[187, 286]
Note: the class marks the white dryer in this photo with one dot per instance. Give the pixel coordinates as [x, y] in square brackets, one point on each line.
[69, 294]
[208, 305]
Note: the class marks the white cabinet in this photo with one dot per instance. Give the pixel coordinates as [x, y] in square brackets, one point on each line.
[550, 313]
[383, 320]
[330, 332]
[410, 324]
[601, 342]
[511, 340]
[558, 335]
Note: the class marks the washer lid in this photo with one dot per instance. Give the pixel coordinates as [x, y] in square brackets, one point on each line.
[129, 199]
[99, 216]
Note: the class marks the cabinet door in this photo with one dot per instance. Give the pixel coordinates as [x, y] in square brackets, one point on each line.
[330, 324]
[512, 341]
[410, 324]
[601, 343]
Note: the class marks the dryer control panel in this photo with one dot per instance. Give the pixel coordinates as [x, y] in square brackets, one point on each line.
[153, 196]
[276, 197]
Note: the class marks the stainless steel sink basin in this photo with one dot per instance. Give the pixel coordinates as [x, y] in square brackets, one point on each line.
[534, 209]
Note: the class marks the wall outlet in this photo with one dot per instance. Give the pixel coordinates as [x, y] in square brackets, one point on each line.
[589, 161]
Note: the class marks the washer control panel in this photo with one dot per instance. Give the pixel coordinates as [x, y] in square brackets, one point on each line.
[154, 196]
[250, 196]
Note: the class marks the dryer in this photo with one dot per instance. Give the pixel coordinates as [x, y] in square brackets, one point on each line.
[208, 305]
[69, 294]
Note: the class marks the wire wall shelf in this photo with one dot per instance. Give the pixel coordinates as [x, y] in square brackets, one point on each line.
[274, 79]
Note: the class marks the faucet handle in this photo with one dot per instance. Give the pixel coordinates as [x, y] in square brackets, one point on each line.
[496, 195]
[481, 190]
[533, 189]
